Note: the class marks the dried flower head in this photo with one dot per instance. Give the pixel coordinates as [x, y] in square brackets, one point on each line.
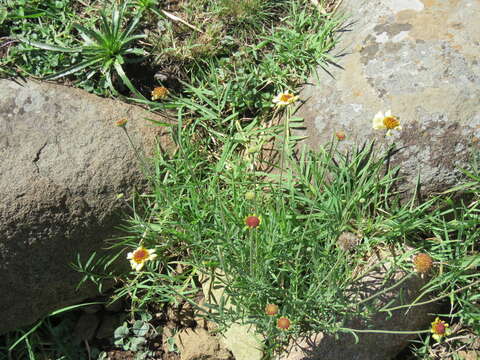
[348, 241]
[386, 122]
[140, 256]
[440, 329]
[340, 135]
[423, 263]
[253, 221]
[284, 99]
[121, 122]
[283, 323]
[271, 309]
[159, 92]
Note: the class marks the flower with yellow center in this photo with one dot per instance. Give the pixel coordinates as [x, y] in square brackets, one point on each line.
[284, 99]
[140, 256]
[386, 122]
[440, 329]
[160, 92]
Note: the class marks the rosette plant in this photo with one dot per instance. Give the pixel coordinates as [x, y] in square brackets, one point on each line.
[103, 50]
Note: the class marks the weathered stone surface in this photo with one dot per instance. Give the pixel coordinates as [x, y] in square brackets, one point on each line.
[85, 327]
[373, 346]
[242, 340]
[198, 344]
[421, 60]
[108, 324]
[63, 161]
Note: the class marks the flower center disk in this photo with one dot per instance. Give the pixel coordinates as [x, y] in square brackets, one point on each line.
[391, 122]
[140, 255]
[252, 221]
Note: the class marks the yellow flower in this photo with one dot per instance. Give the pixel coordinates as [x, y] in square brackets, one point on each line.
[440, 329]
[159, 92]
[386, 122]
[284, 99]
[140, 256]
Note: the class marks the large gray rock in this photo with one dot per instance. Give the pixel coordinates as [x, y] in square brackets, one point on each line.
[63, 161]
[421, 60]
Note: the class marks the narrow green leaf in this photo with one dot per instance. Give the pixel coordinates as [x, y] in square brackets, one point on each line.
[73, 69]
[49, 47]
[126, 81]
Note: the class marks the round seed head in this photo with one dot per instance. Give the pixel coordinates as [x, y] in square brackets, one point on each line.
[121, 122]
[423, 263]
[340, 135]
[249, 195]
[283, 323]
[347, 241]
[252, 221]
[271, 309]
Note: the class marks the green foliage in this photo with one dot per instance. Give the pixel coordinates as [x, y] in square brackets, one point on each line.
[49, 338]
[103, 50]
[242, 84]
[133, 336]
[49, 21]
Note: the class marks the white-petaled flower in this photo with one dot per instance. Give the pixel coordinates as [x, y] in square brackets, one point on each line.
[140, 256]
[387, 122]
[284, 99]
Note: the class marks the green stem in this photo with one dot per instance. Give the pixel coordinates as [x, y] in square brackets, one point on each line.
[432, 300]
[385, 290]
[253, 250]
[137, 154]
[384, 331]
